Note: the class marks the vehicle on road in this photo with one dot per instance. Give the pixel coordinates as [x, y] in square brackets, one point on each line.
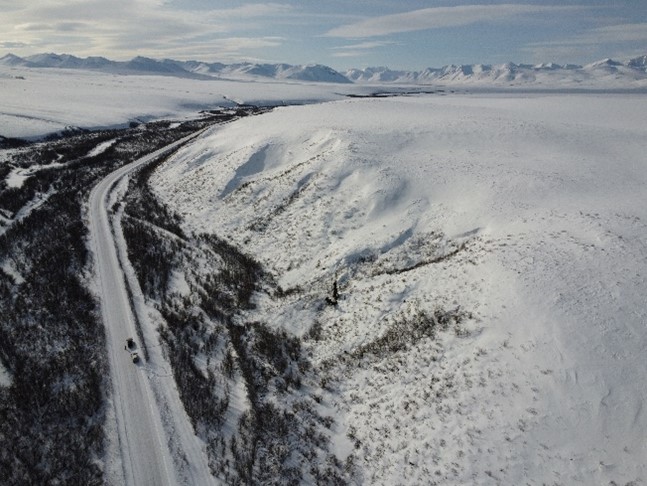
[130, 343]
[135, 357]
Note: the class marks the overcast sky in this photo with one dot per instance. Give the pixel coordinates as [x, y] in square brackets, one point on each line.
[405, 34]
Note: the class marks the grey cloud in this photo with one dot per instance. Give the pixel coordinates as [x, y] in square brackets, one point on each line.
[125, 28]
[367, 45]
[13, 45]
[439, 17]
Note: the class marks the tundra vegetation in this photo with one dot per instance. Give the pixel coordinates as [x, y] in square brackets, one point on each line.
[251, 388]
[52, 341]
[271, 432]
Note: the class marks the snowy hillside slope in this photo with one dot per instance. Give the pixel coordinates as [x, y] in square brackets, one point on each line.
[490, 256]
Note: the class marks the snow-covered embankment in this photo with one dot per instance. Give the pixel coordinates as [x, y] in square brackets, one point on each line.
[526, 213]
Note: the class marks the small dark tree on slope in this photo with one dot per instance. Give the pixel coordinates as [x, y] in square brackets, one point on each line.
[333, 299]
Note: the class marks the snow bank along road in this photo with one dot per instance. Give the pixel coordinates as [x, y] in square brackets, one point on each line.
[142, 441]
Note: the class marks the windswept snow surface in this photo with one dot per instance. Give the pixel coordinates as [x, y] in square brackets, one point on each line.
[527, 211]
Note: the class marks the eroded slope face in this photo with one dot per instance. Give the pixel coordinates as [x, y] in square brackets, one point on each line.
[489, 260]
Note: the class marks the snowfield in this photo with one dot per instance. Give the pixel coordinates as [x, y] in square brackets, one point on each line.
[49, 93]
[36, 102]
[515, 224]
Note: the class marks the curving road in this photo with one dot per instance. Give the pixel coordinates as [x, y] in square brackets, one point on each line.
[143, 444]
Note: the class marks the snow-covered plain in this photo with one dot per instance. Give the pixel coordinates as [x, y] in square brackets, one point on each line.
[37, 102]
[525, 214]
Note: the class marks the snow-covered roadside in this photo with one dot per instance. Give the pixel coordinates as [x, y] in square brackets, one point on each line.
[138, 449]
[525, 211]
[187, 450]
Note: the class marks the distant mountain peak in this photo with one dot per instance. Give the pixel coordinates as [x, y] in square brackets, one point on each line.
[638, 63]
[604, 63]
[12, 60]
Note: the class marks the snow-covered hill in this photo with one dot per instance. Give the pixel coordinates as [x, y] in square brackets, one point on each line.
[312, 72]
[66, 61]
[490, 259]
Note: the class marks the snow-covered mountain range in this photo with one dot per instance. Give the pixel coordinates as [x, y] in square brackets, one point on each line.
[169, 67]
[509, 73]
[605, 73]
